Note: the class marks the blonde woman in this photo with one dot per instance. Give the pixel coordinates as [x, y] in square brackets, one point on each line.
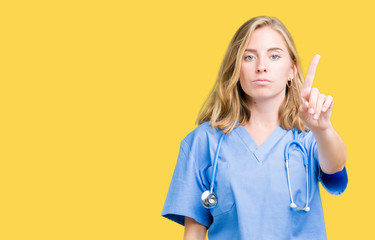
[266, 136]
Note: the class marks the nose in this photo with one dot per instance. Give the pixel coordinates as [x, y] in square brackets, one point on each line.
[261, 67]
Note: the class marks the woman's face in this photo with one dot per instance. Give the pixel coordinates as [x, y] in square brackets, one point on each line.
[266, 65]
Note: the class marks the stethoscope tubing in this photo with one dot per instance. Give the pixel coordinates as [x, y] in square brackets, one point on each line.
[306, 164]
[215, 162]
[286, 157]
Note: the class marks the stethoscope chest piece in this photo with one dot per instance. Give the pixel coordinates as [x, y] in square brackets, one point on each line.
[209, 199]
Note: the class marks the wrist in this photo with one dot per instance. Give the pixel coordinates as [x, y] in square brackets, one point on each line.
[323, 131]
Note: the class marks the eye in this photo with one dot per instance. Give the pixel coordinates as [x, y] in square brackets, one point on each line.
[274, 56]
[249, 57]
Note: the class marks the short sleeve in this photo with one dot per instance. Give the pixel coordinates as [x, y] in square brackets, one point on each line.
[184, 194]
[335, 183]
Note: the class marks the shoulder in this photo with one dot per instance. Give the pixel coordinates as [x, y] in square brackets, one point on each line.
[201, 134]
[308, 140]
[301, 136]
[306, 136]
[199, 142]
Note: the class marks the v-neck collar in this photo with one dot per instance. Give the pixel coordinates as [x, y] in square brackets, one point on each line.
[266, 146]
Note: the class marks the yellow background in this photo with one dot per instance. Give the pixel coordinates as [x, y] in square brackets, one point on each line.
[96, 96]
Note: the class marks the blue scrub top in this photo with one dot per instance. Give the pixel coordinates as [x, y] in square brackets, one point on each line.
[251, 185]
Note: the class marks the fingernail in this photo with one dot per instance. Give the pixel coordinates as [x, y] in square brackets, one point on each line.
[324, 109]
[311, 110]
[316, 116]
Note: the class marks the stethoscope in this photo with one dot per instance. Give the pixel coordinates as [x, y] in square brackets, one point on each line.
[209, 198]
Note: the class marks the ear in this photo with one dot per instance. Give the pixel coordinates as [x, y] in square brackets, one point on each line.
[293, 71]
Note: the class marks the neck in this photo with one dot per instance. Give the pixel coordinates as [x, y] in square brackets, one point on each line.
[265, 112]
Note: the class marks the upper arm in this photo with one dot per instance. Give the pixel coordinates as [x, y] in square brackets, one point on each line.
[184, 194]
[194, 230]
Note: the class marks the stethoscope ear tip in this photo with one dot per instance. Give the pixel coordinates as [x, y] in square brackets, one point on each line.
[306, 209]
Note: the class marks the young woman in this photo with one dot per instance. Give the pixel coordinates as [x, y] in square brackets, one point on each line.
[259, 104]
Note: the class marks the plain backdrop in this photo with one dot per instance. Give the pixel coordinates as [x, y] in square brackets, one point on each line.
[96, 96]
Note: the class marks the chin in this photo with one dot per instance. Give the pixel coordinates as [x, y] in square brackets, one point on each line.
[261, 96]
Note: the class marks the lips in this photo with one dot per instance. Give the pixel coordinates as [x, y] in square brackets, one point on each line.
[262, 80]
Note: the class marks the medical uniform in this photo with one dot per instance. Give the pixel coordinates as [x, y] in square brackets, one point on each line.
[251, 185]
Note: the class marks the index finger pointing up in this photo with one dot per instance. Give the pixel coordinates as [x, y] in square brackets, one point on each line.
[310, 75]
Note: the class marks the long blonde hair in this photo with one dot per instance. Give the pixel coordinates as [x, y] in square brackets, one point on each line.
[227, 103]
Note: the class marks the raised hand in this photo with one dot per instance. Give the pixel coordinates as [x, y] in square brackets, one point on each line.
[315, 108]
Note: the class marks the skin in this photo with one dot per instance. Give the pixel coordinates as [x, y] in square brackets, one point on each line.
[265, 98]
[194, 230]
[267, 58]
[315, 112]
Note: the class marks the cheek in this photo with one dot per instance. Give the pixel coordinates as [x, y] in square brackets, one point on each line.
[245, 70]
[283, 71]
[244, 74]
[244, 85]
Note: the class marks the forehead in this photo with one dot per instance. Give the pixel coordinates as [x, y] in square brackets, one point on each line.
[266, 37]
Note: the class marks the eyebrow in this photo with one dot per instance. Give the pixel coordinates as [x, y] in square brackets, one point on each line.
[270, 49]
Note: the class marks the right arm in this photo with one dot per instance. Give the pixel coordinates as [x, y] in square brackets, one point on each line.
[194, 230]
